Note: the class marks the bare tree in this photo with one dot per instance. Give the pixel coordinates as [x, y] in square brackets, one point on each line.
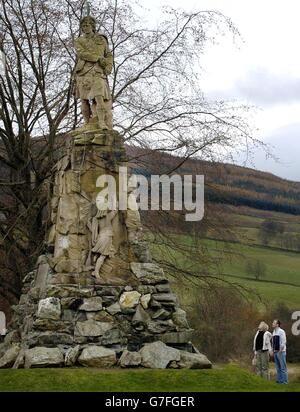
[256, 268]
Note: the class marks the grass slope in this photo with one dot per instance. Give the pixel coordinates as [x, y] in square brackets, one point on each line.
[281, 282]
[229, 378]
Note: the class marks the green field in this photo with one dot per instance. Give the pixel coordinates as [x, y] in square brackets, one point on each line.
[281, 265]
[280, 282]
[229, 378]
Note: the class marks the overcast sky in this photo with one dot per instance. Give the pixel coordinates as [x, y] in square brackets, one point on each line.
[263, 69]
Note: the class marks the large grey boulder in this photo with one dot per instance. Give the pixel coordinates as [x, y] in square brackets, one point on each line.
[91, 328]
[92, 304]
[49, 308]
[40, 357]
[8, 359]
[193, 361]
[97, 357]
[157, 355]
[130, 359]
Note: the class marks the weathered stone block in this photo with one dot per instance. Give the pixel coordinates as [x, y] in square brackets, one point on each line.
[161, 314]
[91, 328]
[91, 304]
[179, 318]
[163, 288]
[157, 327]
[114, 309]
[194, 361]
[148, 273]
[112, 337]
[101, 316]
[97, 357]
[42, 357]
[52, 325]
[145, 299]
[129, 300]
[48, 339]
[157, 355]
[130, 359]
[109, 290]
[49, 308]
[165, 297]
[146, 289]
[69, 292]
[177, 337]
[68, 315]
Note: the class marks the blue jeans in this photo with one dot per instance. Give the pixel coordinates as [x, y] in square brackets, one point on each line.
[280, 363]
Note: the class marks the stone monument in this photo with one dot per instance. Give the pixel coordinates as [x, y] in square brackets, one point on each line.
[96, 298]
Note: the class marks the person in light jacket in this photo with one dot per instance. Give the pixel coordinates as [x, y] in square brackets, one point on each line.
[279, 349]
[262, 347]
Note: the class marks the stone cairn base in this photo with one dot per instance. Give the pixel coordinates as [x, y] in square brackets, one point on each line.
[67, 316]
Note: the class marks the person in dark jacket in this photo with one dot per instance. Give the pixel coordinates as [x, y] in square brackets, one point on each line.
[262, 348]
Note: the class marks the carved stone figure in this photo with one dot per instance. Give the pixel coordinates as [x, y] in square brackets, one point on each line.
[94, 63]
[102, 237]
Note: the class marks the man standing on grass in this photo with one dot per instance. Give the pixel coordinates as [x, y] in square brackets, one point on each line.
[279, 349]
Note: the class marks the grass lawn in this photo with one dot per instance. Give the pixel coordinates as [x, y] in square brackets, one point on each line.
[228, 378]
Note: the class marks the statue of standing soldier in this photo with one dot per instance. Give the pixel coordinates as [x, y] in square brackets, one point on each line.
[94, 64]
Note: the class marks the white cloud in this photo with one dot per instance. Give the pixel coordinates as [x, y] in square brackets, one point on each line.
[263, 70]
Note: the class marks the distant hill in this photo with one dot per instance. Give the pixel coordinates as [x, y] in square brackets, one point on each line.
[225, 183]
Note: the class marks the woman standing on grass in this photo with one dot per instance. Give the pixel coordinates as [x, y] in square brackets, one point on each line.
[262, 347]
